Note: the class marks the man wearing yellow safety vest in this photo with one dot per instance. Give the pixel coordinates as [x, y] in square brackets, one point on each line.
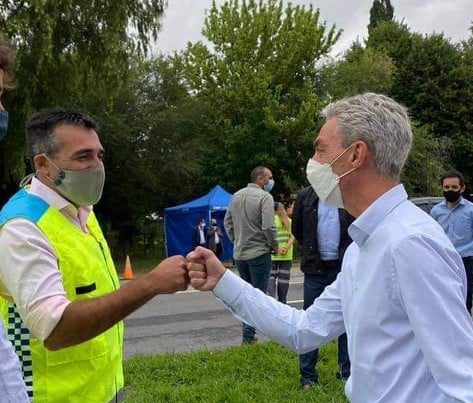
[61, 303]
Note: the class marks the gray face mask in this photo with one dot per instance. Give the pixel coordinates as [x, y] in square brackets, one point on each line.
[84, 187]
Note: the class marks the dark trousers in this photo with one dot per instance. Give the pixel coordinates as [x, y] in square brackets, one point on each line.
[256, 272]
[314, 285]
[278, 285]
[219, 251]
[468, 262]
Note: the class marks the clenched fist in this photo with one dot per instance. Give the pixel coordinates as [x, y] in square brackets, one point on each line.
[205, 270]
[170, 275]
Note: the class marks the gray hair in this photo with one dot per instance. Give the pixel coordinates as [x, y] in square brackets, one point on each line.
[48, 145]
[381, 123]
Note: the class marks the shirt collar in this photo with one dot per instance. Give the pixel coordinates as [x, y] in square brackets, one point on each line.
[56, 201]
[254, 185]
[462, 202]
[362, 228]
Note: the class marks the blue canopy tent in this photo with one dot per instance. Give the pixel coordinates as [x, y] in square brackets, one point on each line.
[179, 221]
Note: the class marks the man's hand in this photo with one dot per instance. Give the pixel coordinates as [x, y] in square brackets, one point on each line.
[170, 275]
[205, 270]
[83, 320]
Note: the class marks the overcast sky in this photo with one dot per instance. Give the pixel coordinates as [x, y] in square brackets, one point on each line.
[183, 19]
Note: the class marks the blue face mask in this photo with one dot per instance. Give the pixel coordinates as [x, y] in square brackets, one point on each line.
[3, 124]
[269, 186]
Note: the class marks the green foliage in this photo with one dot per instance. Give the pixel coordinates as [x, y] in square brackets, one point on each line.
[255, 81]
[260, 373]
[427, 162]
[361, 70]
[434, 79]
[151, 153]
[381, 10]
[69, 53]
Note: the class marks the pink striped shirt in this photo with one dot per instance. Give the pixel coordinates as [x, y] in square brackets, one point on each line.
[29, 270]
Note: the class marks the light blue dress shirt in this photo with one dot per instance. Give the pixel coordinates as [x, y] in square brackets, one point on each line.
[400, 297]
[457, 224]
[328, 231]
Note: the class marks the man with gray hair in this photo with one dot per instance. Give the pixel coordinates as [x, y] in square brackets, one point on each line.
[400, 296]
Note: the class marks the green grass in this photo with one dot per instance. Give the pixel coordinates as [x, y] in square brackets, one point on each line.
[265, 372]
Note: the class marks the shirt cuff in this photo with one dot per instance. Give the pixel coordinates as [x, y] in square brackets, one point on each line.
[229, 288]
[43, 318]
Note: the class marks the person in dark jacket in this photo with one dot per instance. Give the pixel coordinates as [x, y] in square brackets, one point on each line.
[199, 234]
[215, 238]
[322, 234]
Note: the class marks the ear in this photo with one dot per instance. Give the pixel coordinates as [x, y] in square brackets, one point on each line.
[462, 189]
[360, 154]
[40, 162]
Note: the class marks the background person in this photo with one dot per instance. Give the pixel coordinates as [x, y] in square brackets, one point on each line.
[12, 385]
[199, 235]
[249, 223]
[455, 215]
[215, 238]
[281, 262]
[322, 232]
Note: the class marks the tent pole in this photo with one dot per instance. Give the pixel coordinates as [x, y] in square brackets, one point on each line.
[165, 237]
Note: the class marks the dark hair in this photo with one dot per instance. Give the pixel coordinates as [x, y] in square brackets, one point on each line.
[276, 205]
[256, 173]
[7, 61]
[453, 174]
[40, 127]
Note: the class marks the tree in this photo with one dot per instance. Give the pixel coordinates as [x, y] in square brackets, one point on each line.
[463, 113]
[434, 79]
[255, 81]
[360, 70]
[381, 10]
[363, 70]
[151, 157]
[69, 53]
[427, 162]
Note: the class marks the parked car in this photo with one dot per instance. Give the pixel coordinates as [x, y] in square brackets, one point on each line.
[426, 203]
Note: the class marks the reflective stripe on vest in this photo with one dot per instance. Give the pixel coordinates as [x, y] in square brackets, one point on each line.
[90, 371]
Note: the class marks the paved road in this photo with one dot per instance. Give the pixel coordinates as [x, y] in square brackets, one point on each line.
[189, 321]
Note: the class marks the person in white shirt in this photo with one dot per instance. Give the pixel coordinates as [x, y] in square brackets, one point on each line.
[400, 295]
[199, 236]
[12, 385]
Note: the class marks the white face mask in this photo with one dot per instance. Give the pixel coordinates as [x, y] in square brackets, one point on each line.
[325, 183]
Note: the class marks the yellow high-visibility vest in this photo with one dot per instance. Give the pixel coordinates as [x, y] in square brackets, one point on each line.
[87, 372]
[283, 237]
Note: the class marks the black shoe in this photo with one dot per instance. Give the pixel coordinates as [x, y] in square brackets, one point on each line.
[246, 342]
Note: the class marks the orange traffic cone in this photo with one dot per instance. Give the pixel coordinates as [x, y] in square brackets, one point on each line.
[127, 272]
